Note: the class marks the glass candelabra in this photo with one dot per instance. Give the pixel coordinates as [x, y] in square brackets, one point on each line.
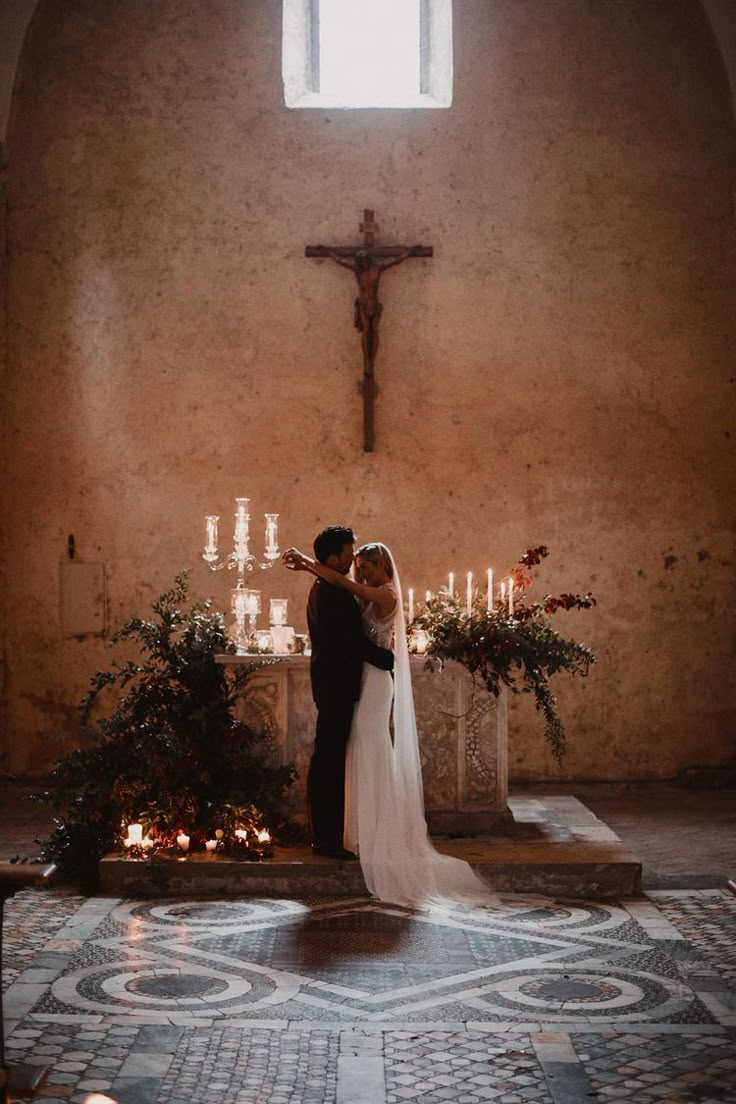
[245, 603]
[241, 555]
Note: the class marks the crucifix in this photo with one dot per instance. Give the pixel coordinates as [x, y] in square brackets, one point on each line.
[368, 261]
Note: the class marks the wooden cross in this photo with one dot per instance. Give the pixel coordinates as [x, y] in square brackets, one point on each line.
[368, 261]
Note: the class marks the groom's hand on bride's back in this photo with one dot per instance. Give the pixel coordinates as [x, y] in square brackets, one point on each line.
[383, 658]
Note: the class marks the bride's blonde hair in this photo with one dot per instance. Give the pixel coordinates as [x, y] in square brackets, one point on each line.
[376, 553]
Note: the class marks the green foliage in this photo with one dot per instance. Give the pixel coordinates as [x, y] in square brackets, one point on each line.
[172, 753]
[522, 651]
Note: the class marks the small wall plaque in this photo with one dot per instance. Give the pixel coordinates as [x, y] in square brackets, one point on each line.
[82, 598]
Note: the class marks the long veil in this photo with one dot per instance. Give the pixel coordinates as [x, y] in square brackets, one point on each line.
[405, 868]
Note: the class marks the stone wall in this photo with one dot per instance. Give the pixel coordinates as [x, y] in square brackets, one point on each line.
[561, 371]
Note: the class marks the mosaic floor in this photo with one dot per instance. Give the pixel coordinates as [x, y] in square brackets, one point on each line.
[351, 1002]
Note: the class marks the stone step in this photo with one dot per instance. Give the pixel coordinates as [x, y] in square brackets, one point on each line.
[554, 846]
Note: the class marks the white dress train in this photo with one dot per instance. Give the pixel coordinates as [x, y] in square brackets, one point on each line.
[384, 797]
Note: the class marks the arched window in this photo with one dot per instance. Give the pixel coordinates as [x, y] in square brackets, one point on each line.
[367, 53]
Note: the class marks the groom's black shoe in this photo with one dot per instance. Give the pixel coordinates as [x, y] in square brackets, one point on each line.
[333, 853]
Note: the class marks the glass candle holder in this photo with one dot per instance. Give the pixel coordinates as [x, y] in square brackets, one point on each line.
[210, 553]
[252, 606]
[272, 536]
[239, 606]
[278, 612]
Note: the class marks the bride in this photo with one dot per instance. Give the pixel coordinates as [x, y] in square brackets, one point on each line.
[384, 797]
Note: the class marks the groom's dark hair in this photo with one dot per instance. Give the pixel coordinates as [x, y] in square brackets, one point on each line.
[331, 541]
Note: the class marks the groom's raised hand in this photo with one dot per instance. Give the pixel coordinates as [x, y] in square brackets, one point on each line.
[295, 560]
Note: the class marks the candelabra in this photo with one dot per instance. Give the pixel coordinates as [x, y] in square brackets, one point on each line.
[241, 556]
[245, 603]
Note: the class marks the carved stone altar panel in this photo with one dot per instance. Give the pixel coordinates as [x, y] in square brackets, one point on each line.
[265, 709]
[483, 742]
[436, 710]
[300, 733]
[462, 739]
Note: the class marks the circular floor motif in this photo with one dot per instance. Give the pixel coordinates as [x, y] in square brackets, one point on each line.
[566, 993]
[181, 991]
[553, 916]
[577, 990]
[205, 915]
[161, 987]
[173, 986]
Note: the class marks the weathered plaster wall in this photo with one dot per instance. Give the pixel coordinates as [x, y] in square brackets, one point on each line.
[15, 15]
[560, 372]
[3, 332]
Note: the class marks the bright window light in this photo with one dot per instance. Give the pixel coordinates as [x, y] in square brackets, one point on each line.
[350, 54]
[369, 48]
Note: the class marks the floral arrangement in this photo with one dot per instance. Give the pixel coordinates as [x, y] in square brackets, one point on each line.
[513, 644]
[171, 769]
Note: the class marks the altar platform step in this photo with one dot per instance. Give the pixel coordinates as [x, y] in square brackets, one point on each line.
[553, 845]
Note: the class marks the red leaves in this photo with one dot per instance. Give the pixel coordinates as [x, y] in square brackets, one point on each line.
[534, 556]
[568, 602]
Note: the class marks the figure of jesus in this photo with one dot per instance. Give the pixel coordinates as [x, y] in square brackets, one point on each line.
[367, 269]
[368, 261]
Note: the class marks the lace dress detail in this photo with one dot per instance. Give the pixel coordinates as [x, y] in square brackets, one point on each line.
[379, 630]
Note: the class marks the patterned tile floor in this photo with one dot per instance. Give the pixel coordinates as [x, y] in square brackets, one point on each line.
[352, 1002]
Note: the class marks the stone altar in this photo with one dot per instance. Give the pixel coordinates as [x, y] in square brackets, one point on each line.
[462, 738]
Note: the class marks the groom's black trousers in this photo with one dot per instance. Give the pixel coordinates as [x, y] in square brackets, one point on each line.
[326, 777]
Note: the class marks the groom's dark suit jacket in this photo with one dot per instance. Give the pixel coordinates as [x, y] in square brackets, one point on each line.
[339, 645]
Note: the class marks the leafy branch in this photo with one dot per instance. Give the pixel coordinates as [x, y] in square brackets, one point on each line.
[172, 750]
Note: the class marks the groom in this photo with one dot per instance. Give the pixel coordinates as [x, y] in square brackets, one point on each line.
[339, 648]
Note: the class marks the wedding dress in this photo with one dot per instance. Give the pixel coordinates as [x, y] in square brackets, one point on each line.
[384, 796]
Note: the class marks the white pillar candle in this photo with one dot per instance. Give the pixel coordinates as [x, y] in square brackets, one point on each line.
[490, 588]
[278, 611]
[428, 597]
[241, 834]
[272, 536]
[469, 593]
[451, 583]
[511, 597]
[211, 846]
[264, 836]
[242, 521]
[411, 604]
[252, 602]
[135, 833]
[183, 841]
[503, 594]
[210, 549]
